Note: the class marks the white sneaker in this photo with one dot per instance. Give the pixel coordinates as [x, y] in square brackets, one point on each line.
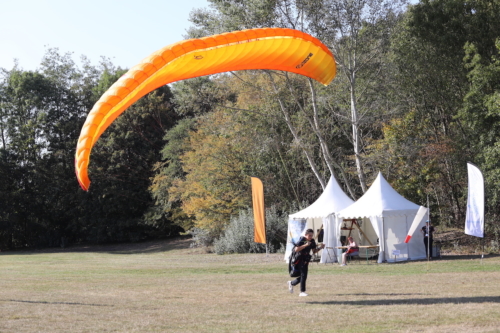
[290, 287]
[303, 294]
[343, 265]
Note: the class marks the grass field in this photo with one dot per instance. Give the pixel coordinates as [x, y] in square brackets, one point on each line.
[168, 287]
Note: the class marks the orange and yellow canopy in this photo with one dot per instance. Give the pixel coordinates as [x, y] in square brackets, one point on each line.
[267, 48]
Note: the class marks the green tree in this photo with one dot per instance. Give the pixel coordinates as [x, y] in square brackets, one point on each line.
[168, 210]
[428, 52]
[122, 167]
[41, 116]
[24, 105]
[215, 186]
[191, 98]
[236, 15]
[258, 136]
[358, 32]
[481, 116]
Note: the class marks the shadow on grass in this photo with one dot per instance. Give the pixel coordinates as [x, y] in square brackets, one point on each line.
[164, 245]
[180, 243]
[414, 301]
[384, 294]
[43, 302]
[466, 257]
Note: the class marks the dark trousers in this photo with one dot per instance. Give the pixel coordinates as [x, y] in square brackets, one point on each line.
[302, 278]
[429, 245]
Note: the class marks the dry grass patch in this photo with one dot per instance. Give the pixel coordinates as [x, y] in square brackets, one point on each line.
[169, 287]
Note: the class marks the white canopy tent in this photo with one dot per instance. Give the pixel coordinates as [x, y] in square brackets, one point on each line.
[320, 213]
[391, 216]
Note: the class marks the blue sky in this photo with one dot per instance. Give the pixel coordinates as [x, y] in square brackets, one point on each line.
[125, 31]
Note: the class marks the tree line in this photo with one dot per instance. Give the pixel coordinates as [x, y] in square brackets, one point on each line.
[416, 96]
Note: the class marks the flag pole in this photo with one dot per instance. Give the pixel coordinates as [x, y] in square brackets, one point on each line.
[482, 251]
[484, 223]
[484, 234]
[428, 232]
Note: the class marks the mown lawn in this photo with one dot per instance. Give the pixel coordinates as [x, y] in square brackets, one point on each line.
[168, 287]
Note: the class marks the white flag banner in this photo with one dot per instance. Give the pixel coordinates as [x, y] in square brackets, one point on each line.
[474, 219]
[416, 222]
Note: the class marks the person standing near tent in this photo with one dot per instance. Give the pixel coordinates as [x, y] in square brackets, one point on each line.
[305, 245]
[428, 232]
[351, 249]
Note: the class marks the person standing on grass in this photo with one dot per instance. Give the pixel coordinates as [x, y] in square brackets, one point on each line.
[305, 245]
[428, 232]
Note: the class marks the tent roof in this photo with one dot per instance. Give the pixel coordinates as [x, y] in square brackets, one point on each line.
[380, 200]
[332, 200]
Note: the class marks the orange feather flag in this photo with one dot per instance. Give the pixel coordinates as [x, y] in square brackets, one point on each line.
[259, 214]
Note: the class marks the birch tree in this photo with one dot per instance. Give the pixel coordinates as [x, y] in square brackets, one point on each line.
[358, 33]
[236, 15]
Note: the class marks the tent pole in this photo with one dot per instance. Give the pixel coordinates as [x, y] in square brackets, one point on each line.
[482, 251]
[482, 239]
[383, 236]
[484, 220]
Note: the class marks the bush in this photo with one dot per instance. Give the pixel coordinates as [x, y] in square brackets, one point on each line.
[239, 234]
[201, 238]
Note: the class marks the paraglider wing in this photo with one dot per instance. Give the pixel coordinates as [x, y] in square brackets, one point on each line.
[267, 48]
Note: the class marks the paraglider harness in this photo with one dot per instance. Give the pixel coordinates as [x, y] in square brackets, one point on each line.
[296, 260]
